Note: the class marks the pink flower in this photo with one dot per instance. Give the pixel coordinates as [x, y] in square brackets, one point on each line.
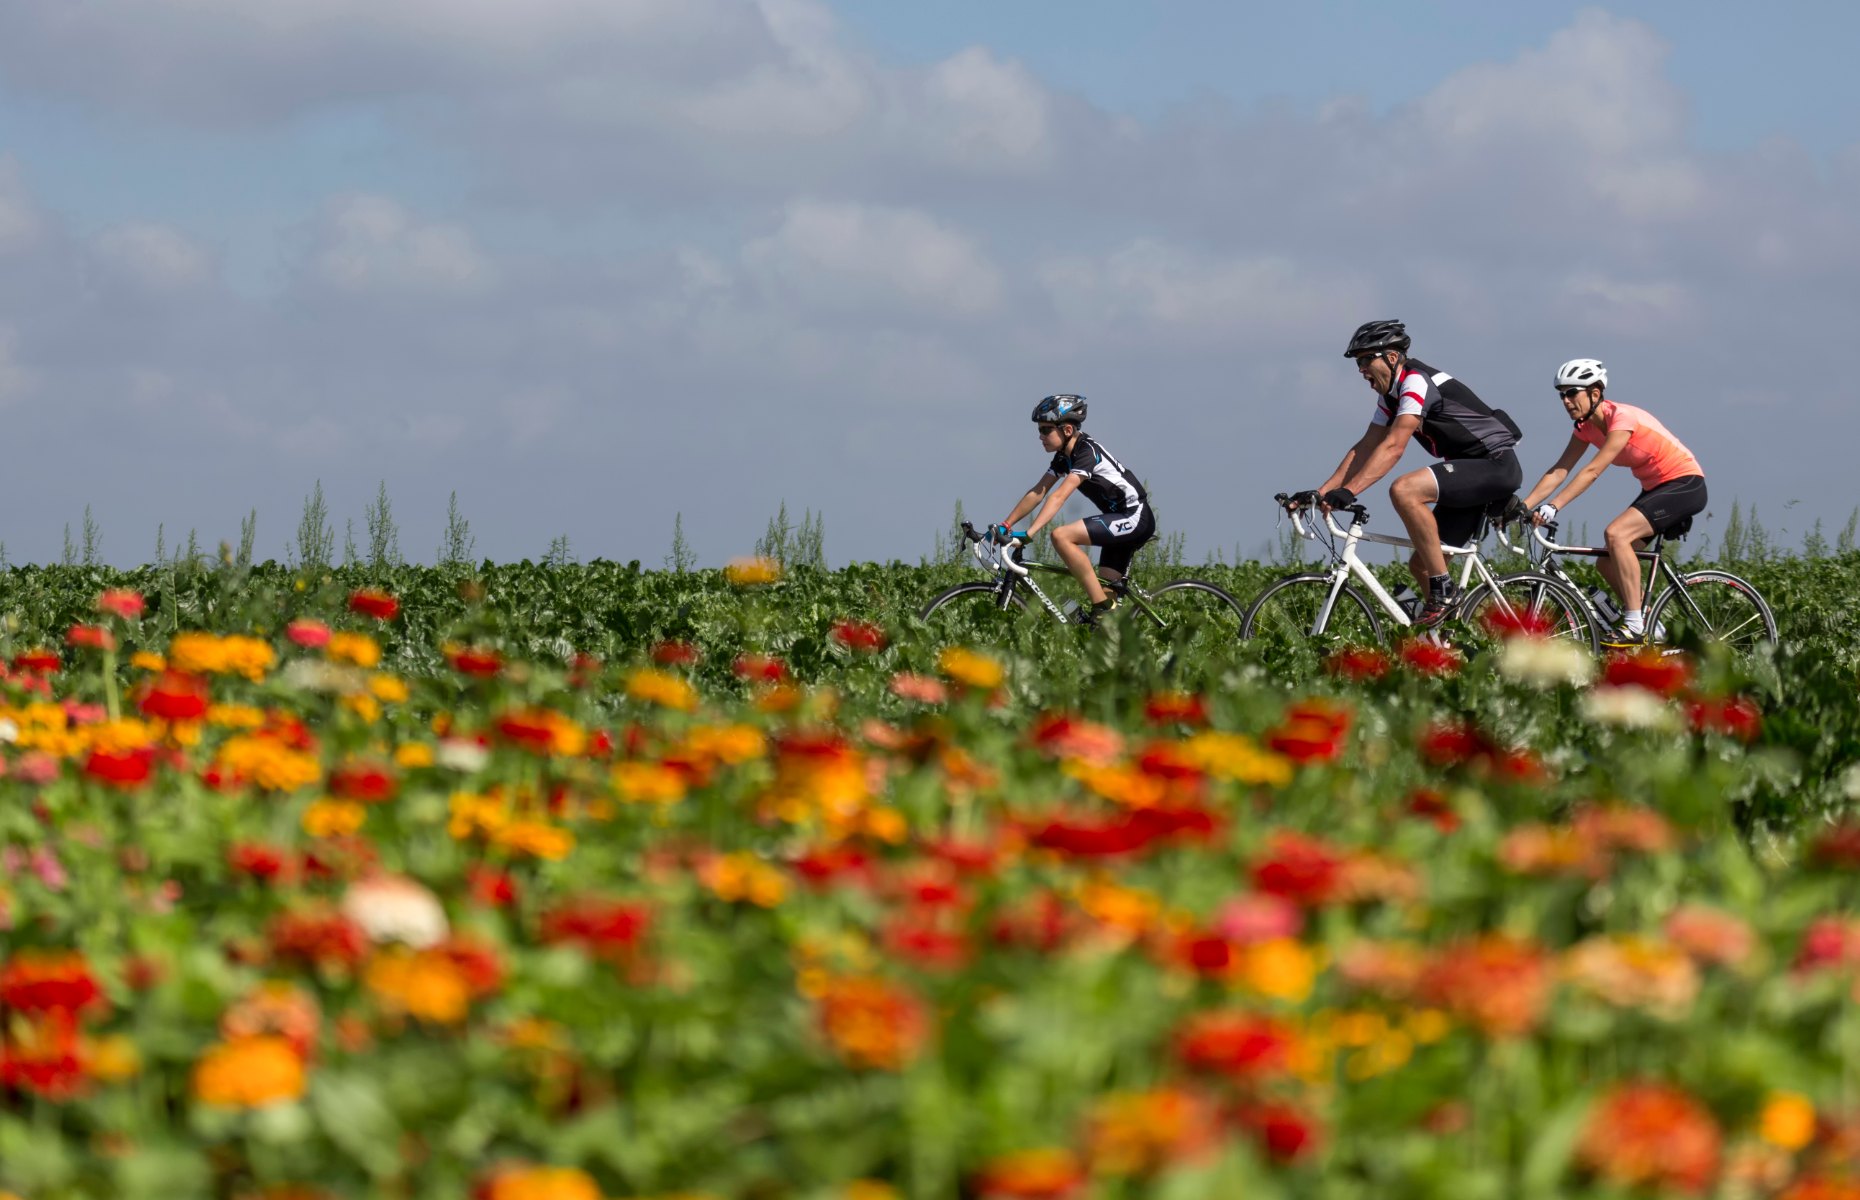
[121, 602]
[36, 766]
[308, 633]
[1258, 917]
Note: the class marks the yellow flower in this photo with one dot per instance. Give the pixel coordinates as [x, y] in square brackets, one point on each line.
[473, 814]
[1427, 1025]
[148, 660]
[869, 1189]
[1233, 756]
[413, 755]
[363, 705]
[542, 1183]
[731, 744]
[886, 825]
[1127, 910]
[648, 783]
[425, 985]
[235, 716]
[390, 689]
[1788, 1121]
[1282, 968]
[333, 818]
[119, 736]
[970, 668]
[113, 1058]
[661, 688]
[210, 654]
[357, 648]
[249, 1072]
[752, 572]
[268, 763]
[537, 838]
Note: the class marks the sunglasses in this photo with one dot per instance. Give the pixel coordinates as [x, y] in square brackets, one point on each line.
[1570, 393]
[1363, 360]
[1046, 429]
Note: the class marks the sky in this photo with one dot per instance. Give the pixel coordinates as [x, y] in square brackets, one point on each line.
[593, 265]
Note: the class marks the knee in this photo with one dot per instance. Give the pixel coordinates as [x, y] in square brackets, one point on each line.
[1618, 535]
[1072, 536]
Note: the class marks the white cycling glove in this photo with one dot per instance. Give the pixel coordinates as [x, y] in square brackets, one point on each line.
[1547, 511]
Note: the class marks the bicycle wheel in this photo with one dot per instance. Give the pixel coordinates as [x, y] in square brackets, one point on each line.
[1530, 601]
[1713, 606]
[1282, 620]
[973, 608]
[1193, 615]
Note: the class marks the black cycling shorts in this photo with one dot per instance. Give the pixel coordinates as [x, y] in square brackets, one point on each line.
[1467, 486]
[1672, 502]
[1121, 535]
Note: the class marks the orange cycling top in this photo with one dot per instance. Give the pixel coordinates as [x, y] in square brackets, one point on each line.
[1652, 453]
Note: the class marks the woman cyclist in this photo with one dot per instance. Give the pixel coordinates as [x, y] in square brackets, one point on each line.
[1672, 483]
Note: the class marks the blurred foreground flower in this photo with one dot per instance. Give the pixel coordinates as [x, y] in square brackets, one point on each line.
[970, 669]
[752, 572]
[1651, 1135]
[1546, 662]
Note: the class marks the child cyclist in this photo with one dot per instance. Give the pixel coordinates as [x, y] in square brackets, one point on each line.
[1123, 523]
[1672, 483]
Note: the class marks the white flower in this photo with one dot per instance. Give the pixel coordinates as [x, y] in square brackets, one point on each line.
[1630, 708]
[1545, 662]
[315, 675]
[9, 732]
[462, 754]
[1850, 782]
[393, 908]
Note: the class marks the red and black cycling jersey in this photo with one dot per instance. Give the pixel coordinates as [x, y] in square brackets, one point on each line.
[1103, 480]
[1455, 423]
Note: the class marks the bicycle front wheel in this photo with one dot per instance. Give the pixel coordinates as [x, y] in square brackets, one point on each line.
[1527, 602]
[1290, 626]
[978, 610]
[1713, 606]
[1194, 615]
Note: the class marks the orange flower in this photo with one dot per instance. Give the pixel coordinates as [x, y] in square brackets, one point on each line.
[1651, 1135]
[1242, 1046]
[1048, 1173]
[870, 1022]
[1498, 984]
[426, 984]
[1630, 971]
[249, 1072]
[1133, 1133]
[523, 1182]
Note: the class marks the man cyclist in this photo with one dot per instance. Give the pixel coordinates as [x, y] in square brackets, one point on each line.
[1671, 480]
[1473, 441]
[1080, 464]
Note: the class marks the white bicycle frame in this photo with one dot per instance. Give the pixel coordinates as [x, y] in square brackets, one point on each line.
[1349, 564]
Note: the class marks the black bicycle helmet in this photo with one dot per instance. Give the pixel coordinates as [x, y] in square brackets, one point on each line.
[1374, 336]
[1057, 410]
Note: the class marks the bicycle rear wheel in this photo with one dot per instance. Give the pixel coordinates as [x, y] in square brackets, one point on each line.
[1713, 606]
[1526, 602]
[1284, 621]
[1193, 615]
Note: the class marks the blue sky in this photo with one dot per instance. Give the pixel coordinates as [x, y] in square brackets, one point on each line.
[592, 265]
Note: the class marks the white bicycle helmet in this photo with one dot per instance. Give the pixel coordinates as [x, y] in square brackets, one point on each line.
[1581, 373]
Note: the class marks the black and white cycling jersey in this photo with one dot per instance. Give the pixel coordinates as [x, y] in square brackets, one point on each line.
[1455, 423]
[1103, 480]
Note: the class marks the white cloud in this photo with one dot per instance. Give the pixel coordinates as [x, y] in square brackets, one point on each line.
[20, 224]
[373, 244]
[844, 256]
[156, 257]
[979, 112]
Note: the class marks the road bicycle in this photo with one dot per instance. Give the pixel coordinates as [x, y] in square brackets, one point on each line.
[1306, 614]
[1683, 608]
[1190, 612]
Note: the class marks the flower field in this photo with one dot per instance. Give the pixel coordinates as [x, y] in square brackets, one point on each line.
[561, 883]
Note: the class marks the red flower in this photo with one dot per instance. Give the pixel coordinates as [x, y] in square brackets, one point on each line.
[1431, 805]
[372, 602]
[1168, 708]
[363, 782]
[121, 602]
[1049, 1173]
[1065, 736]
[1245, 1047]
[38, 662]
[120, 768]
[609, 929]
[308, 633]
[1040, 922]
[49, 981]
[491, 887]
[760, 668]
[1506, 622]
[1658, 672]
[1285, 1131]
[1428, 657]
[267, 864]
[1126, 833]
[1828, 942]
[43, 1058]
[921, 942]
[479, 662]
[1313, 731]
[1500, 985]
[825, 865]
[174, 696]
[674, 654]
[1358, 664]
[1651, 1135]
[90, 637]
[1734, 716]
[1451, 744]
[861, 636]
[1301, 869]
[318, 937]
